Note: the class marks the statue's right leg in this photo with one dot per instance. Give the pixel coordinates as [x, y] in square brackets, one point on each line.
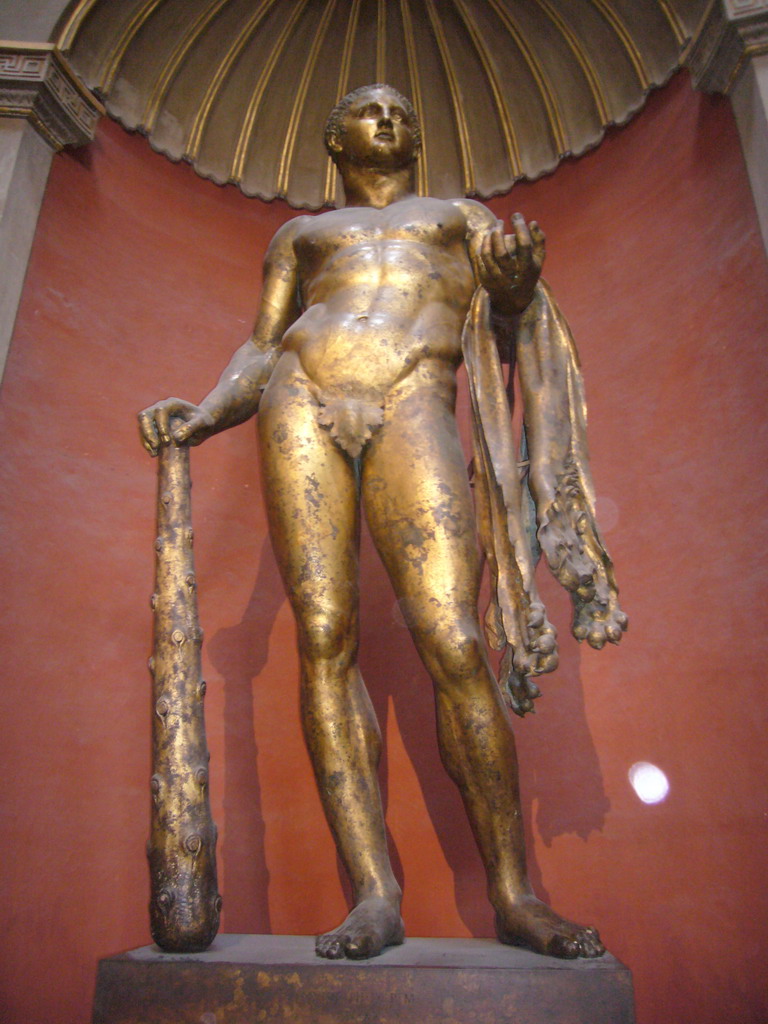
[312, 504]
[421, 518]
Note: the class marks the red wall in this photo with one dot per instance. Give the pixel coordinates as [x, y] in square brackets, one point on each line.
[143, 279]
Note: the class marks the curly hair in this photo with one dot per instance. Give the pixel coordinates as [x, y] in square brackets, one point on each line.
[334, 126]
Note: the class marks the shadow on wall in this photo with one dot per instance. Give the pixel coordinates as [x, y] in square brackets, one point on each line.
[239, 653]
[559, 747]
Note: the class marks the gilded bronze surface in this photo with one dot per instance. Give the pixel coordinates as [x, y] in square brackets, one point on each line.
[365, 315]
[184, 900]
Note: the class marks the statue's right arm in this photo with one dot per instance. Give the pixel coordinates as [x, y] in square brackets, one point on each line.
[236, 396]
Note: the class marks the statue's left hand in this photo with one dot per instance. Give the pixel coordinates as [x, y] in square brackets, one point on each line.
[508, 266]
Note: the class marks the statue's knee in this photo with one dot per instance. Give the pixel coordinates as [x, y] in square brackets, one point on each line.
[456, 653]
[325, 635]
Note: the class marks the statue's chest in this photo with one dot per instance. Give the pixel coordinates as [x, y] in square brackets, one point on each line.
[424, 222]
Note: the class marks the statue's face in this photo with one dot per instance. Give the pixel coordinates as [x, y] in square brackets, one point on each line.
[377, 132]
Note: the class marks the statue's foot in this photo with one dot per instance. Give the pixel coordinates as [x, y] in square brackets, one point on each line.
[374, 924]
[528, 922]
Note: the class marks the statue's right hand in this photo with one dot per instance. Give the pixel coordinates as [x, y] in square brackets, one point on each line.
[174, 421]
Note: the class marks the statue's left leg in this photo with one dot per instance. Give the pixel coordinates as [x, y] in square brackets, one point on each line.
[419, 509]
[313, 519]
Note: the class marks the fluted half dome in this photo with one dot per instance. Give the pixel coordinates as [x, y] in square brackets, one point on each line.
[504, 88]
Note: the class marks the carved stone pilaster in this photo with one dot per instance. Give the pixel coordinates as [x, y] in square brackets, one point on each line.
[729, 54]
[38, 83]
[731, 32]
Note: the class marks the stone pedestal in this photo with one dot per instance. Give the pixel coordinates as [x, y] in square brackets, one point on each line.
[245, 979]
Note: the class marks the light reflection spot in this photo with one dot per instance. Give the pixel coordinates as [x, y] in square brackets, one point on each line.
[649, 782]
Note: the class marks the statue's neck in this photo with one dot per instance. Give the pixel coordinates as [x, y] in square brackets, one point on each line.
[369, 186]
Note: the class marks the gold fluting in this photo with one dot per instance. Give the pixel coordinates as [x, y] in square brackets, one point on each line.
[381, 41]
[422, 170]
[465, 151]
[365, 314]
[184, 898]
[674, 21]
[112, 61]
[491, 73]
[582, 59]
[342, 88]
[222, 70]
[174, 62]
[246, 130]
[72, 25]
[554, 116]
[627, 42]
[284, 172]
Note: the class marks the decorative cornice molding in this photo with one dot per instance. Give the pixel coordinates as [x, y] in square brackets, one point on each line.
[38, 83]
[731, 32]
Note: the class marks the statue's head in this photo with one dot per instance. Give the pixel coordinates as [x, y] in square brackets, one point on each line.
[374, 122]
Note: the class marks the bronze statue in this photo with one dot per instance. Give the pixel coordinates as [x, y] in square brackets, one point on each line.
[365, 314]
